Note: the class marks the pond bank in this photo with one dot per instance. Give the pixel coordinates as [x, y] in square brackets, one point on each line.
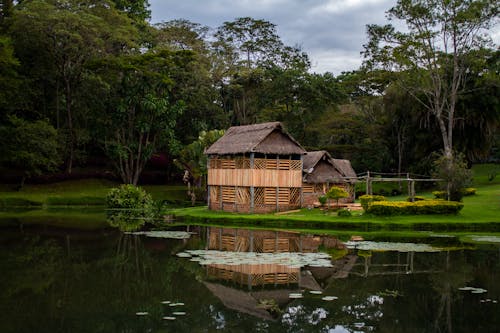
[316, 219]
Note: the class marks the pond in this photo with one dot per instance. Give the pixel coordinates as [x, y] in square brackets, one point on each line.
[195, 278]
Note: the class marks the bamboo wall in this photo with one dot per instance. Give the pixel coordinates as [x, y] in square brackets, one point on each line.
[273, 184]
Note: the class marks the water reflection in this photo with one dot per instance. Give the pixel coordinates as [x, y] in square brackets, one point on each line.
[56, 280]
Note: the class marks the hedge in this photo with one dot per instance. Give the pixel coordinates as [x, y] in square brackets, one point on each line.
[366, 200]
[414, 208]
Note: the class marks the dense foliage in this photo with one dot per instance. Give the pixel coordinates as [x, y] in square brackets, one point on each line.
[129, 207]
[116, 90]
[414, 208]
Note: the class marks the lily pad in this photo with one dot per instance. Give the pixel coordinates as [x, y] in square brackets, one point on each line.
[142, 313]
[390, 246]
[166, 302]
[179, 313]
[329, 298]
[169, 318]
[183, 255]
[315, 292]
[295, 295]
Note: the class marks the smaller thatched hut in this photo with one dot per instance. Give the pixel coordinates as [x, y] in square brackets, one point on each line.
[321, 172]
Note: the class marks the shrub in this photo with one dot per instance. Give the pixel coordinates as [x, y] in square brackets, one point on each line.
[129, 207]
[322, 200]
[415, 208]
[337, 193]
[439, 194]
[468, 191]
[367, 199]
[344, 212]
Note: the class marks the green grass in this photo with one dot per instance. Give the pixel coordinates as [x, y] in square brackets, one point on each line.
[88, 192]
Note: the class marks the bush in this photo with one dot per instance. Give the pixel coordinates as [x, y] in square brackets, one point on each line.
[468, 191]
[344, 212]
[367, 199]
[322, 200]
[129, 207]
[386, 208]
[439, 194]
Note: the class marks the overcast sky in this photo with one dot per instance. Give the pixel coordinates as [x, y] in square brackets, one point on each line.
[332, 32]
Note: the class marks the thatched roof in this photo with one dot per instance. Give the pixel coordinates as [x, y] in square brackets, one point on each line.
[238, 300]
[345, 167]
[320, 167]
[266, 138]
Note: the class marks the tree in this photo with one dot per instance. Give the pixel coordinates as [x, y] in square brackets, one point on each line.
[455, 174]
[336, 193]
[63, 37]
[434, 50]
[31, 147]
[252, 41]
[9, 78]
[193, 160]
[141, 115]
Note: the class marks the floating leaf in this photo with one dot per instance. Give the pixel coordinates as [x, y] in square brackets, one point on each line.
[168, 318]
[141, 313]
[165, 302]
[183, 255]
[389, 246]
[295, 295]
[329, 298]
[179, 313]
[164, 234]
[315, 292]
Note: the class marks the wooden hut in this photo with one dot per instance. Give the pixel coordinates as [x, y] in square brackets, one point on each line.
[255, 168]
[321, 172]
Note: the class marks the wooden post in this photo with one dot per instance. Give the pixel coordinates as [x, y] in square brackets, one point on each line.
[412, 187]
[251, 240]
[301, 187]
[252, 190]
[368, 184]
[220, 196]
[208, 186]
[277, 188]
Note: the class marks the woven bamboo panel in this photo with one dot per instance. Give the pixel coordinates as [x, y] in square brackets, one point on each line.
[255, 177]
[296, 165]
[228, 194]
[319, 188]
[283, 245]
[214, 194]
[259, 163]
[227, 164]
[269, 196]
[293, 277]
[306, 188]
[259, 195]
[283, 196]
[228, 243]
[284, 165]
[242, 244]
[213, 241]
[295, 196]
[271, 164]
[269, 245]
[242, 195]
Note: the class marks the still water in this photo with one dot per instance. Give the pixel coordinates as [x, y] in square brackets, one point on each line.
[209, 279]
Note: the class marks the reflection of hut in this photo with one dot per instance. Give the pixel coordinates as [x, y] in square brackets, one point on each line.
[266, 241]
[321, 172]
[255, 168]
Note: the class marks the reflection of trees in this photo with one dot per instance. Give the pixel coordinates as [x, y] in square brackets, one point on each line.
[456, 274]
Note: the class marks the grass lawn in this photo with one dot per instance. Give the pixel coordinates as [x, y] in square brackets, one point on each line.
[87, 192]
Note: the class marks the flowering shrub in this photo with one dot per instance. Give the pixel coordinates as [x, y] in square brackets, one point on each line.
[367, 199]
[414, 208]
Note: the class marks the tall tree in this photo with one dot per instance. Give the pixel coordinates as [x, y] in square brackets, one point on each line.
[65, 36]
[433, 50]
[141, 114]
